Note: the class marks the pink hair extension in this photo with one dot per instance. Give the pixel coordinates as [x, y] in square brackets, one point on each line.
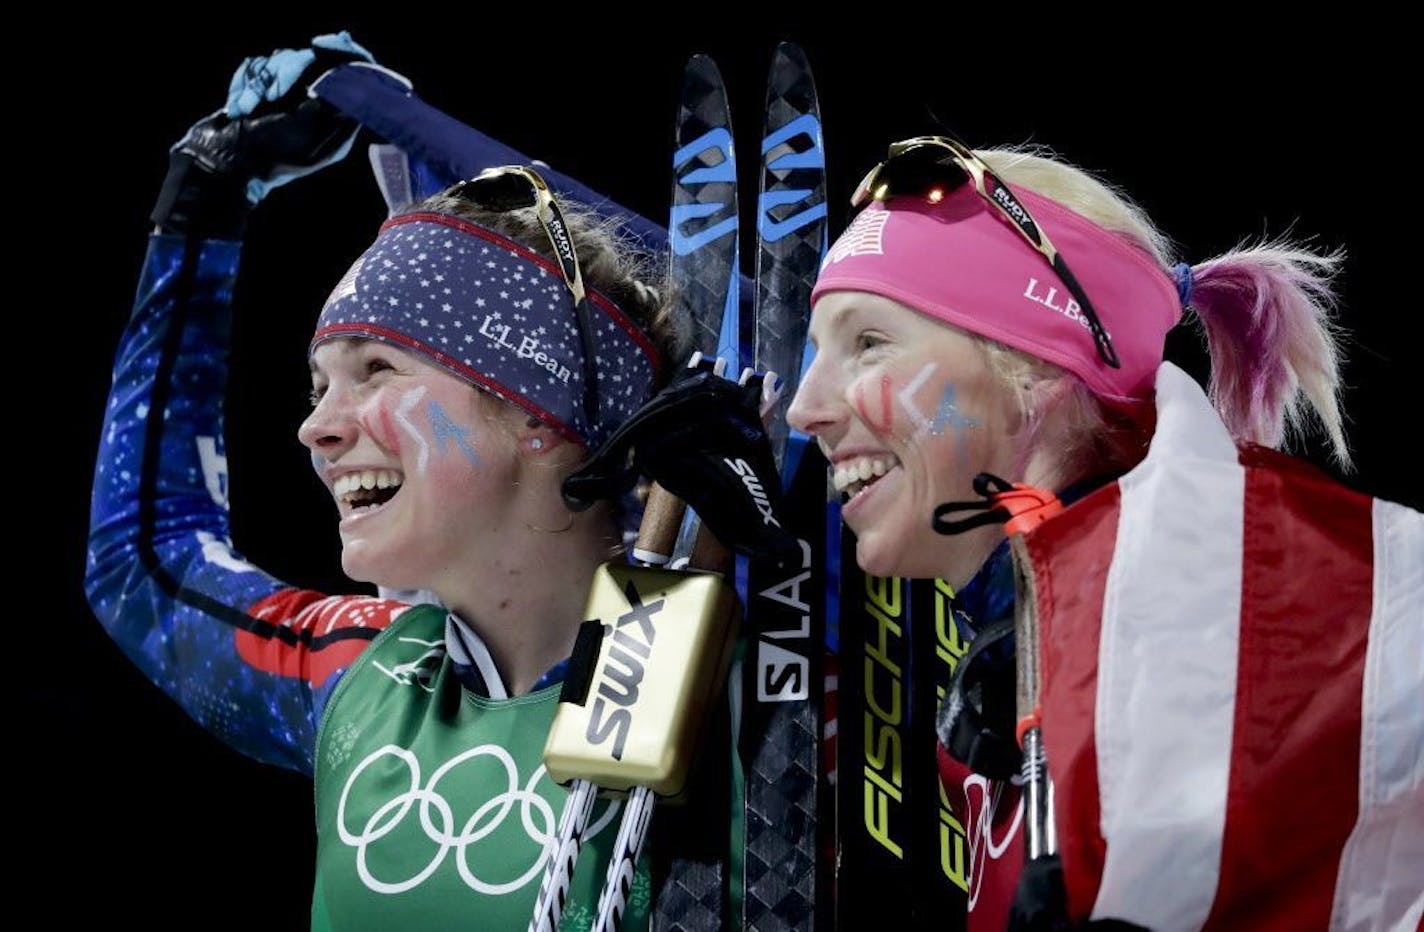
[1267, 313]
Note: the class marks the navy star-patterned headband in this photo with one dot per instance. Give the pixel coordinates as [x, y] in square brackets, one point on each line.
[494, 313]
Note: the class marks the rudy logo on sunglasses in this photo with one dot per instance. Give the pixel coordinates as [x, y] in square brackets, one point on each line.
[560, 238]
[1010, 203]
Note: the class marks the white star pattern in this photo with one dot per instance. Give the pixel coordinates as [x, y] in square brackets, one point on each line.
[538, 354]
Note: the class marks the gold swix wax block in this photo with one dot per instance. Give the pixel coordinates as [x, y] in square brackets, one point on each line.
[649, 663]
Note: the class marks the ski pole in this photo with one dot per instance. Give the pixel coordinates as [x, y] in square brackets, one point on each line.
[1020, 508]
[703, 552]
[554, 888]
[645, 671]
[1027, 508]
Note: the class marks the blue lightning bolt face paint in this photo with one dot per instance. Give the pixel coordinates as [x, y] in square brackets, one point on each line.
[949, 414]
[445, 430]
[395, 438]
[908, 411]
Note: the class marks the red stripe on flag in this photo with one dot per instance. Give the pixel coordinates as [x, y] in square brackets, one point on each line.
[1305, 612]
[1070, 556]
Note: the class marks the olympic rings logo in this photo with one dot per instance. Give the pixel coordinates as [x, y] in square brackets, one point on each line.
[437, 820]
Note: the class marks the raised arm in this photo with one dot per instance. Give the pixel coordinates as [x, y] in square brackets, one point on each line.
[249, 657]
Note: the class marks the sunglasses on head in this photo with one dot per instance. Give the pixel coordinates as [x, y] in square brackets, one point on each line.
[515, 187]
[931, 167]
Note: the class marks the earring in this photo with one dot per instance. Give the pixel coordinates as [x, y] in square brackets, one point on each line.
[536, 444]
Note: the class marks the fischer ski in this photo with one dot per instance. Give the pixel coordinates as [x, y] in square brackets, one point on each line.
[906, 854]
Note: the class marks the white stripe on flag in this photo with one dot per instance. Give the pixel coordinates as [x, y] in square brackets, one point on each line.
[1167, 659]
[1381, 879]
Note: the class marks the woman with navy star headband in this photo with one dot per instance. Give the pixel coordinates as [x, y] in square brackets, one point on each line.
[451, 397]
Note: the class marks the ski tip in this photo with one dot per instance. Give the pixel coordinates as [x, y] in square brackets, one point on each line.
[789, 79]
[789, 51]
[701, 66]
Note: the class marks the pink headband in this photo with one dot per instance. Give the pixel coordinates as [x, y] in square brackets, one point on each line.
[962, 262]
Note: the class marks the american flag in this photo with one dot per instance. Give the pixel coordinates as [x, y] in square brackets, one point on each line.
[864, 237]
[1233, 690]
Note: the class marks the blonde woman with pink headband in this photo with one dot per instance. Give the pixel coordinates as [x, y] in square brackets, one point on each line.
[1224, 642]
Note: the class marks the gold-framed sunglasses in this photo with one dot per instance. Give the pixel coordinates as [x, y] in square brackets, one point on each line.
[930, 167]
[514, 187]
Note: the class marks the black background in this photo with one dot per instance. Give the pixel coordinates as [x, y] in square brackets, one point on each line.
[134, 812]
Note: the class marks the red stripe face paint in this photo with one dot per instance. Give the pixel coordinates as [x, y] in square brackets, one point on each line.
[383, 431]
[886, 422]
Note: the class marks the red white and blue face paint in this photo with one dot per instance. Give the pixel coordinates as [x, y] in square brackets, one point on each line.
[413, 457]
[494, 313]
[907, 411]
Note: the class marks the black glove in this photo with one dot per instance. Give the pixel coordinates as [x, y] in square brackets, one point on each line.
[268, 133]
[703, 440]
[1040, 901]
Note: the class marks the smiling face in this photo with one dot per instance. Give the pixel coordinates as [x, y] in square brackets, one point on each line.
[908, 412]
[414, 457]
